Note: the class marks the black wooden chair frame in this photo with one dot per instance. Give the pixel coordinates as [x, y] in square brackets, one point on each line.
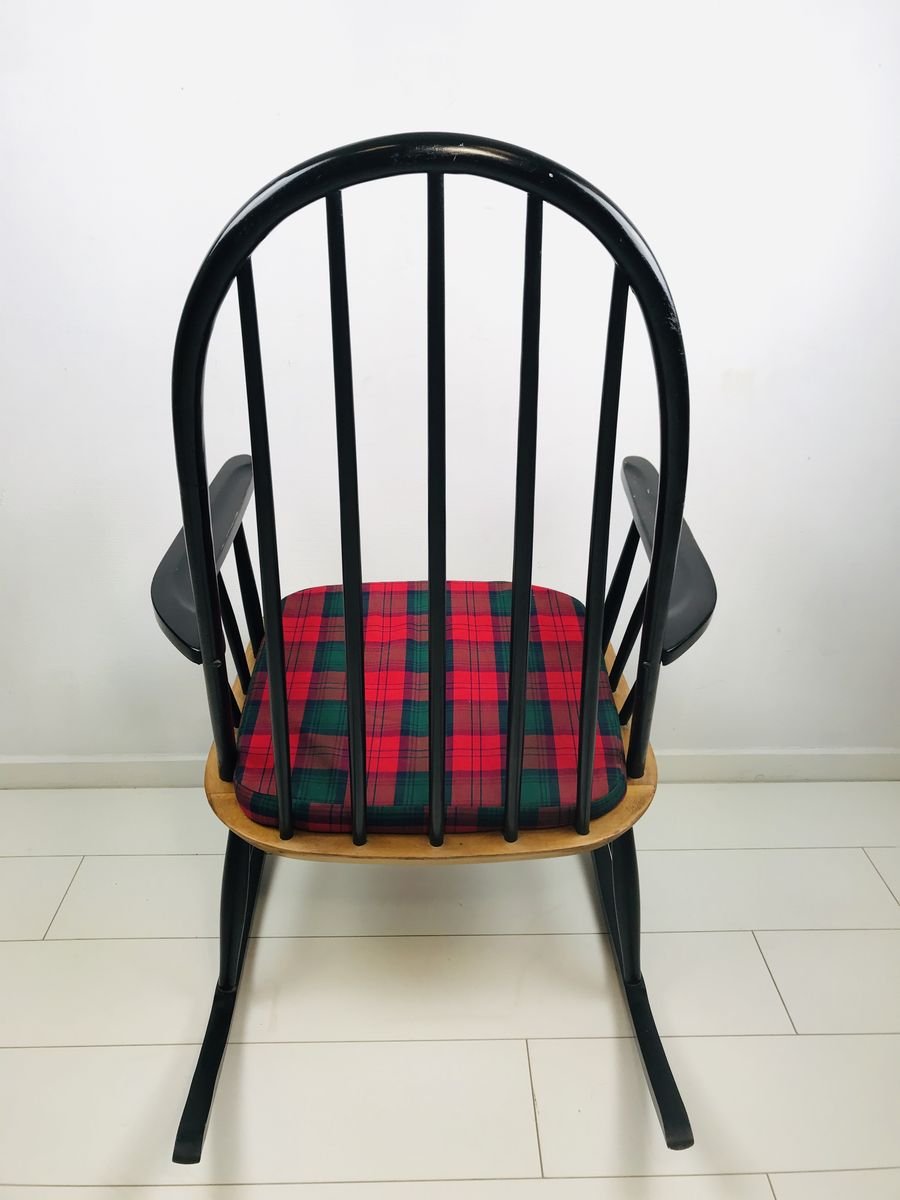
[196, 613]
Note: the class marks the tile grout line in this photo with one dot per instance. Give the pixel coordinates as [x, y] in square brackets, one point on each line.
[771, 1186]
[300, 937]
[870, 842]
[125, 854]
[774, 984]
[778, 849]
[877, 872]
[305, 1183]
[454, 1179]
[537, 1129]
[427, 1041]
[827, 1170]
[62, 901]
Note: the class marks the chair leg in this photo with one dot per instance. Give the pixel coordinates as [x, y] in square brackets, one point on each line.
[240, 885]
[617, 876]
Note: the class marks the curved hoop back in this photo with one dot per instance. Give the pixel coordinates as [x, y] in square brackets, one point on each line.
[544, 181]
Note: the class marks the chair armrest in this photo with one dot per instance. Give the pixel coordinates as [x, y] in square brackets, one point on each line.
[693, 597]
[170, 591]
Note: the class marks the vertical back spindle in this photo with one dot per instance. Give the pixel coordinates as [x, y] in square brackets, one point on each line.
[523, 536]
[268, 545]
[348, 483]
[599, 547]
[437, 510]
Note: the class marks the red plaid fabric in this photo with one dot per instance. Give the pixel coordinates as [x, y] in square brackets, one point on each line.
[395, 630]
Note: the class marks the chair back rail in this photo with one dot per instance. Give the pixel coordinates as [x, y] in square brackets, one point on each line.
[636, 271]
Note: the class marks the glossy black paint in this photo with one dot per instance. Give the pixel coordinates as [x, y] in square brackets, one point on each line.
[170, 592]
[629, 637]
[621, 575]
[523, 532]
[627, 707]
[267, 542]
[233, 636]
[241, 877]
[693, 596]
[592, 658]
[616, 872]
[249, 593]
[437, 510]
[348, 483]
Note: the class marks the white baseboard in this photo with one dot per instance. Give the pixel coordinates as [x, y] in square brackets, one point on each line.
[675, 766]
[103, 771]
[791, 765]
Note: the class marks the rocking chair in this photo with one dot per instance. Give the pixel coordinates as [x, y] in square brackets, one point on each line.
[441, 721]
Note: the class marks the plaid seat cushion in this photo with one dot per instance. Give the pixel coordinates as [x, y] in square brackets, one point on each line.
[395, 628]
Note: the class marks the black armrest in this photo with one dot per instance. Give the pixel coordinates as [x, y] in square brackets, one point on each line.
[693, 595]
[170, 591]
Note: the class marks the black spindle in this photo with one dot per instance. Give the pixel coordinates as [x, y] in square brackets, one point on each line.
[233, 635]
[201, 556]
[666, 534]
[523, 536]
[437, 509]
[596, 580]
[249, 594]
[627, 707]
[268, 545]
[629, 637]
[348, 483]
[616, 594]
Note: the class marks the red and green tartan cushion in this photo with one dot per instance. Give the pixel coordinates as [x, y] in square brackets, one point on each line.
[395, 630]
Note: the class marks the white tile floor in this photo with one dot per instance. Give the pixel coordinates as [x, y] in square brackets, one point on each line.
[403, 1027]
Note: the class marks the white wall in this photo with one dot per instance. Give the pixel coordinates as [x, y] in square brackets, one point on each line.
[755, 146]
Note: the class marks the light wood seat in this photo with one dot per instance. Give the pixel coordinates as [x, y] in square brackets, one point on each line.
[416, 848]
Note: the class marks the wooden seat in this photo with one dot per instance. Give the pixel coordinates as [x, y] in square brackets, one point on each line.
[414, 848]
[196, 613]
